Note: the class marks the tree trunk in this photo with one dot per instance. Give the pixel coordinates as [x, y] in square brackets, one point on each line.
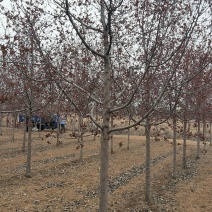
[74, 123]
[104, 155]
[58, 130]
[30, 103]
[148, 160]
[79, 128]
[13, 127]
[81, 147]
[80, 121]
[111, 138]
[39, 136]
[204, 135]
[184, 142]
[16, 121]
[29, 148]
[24, 138]
[174, 144]
[7, 120]
[1, 124]
[198, 140]
[210, 134]
[189, 126]
[128, 135]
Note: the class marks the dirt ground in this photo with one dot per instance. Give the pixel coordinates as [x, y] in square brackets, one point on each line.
[61, 182]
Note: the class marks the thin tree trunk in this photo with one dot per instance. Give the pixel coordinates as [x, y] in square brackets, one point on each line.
[184, 142]
[80, 120]
[79, 128]
[189, 127]
[111, 137]
[7, 120]
[74, 123]
[24, 138]
[204, 135]
[104, 155]
[1, 124]
[30, 98]
[198, 139]
[39, 136]
[58, 129]
[13, 127]
[29, 146]
[174, 144]
[128, 135]
[148, 160]
[81, 147]
[210, 134]
[92, 126]
[16, 121]
[71, 122]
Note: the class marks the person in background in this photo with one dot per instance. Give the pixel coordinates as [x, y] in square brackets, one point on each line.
[62, 124]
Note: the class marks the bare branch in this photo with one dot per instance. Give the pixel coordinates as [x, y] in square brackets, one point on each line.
[78, 33]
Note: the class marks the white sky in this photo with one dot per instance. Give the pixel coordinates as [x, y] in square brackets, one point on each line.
[6, 4]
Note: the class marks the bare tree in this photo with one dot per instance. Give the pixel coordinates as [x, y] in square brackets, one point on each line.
[107, 52]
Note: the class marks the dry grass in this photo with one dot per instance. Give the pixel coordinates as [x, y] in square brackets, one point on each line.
[60, 182]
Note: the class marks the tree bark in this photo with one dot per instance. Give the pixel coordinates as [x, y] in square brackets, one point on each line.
[128, 135]
[39, 136]
[148, 160]
[29, 146]
[24, 138]
[184, 142]
[79, 128]
[80, 120]
[204, 135]
[198, 140]
[13, 127]
[174, 143]
[104, 155]
[58, 129]
[1, 118]
[210, 134]
[111, 137]
[74, 123]
[7, 120]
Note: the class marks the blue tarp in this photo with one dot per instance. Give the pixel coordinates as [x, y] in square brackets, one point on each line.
[49, 123]
[21, 118]
[34, 119]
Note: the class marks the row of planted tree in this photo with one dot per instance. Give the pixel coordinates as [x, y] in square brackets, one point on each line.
[146, 60]
[193, 130]
[80, 127]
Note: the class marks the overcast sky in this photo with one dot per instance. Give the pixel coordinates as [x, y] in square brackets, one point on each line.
[5, 3]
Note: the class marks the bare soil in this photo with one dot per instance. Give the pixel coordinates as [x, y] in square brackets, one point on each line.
[61, 182]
